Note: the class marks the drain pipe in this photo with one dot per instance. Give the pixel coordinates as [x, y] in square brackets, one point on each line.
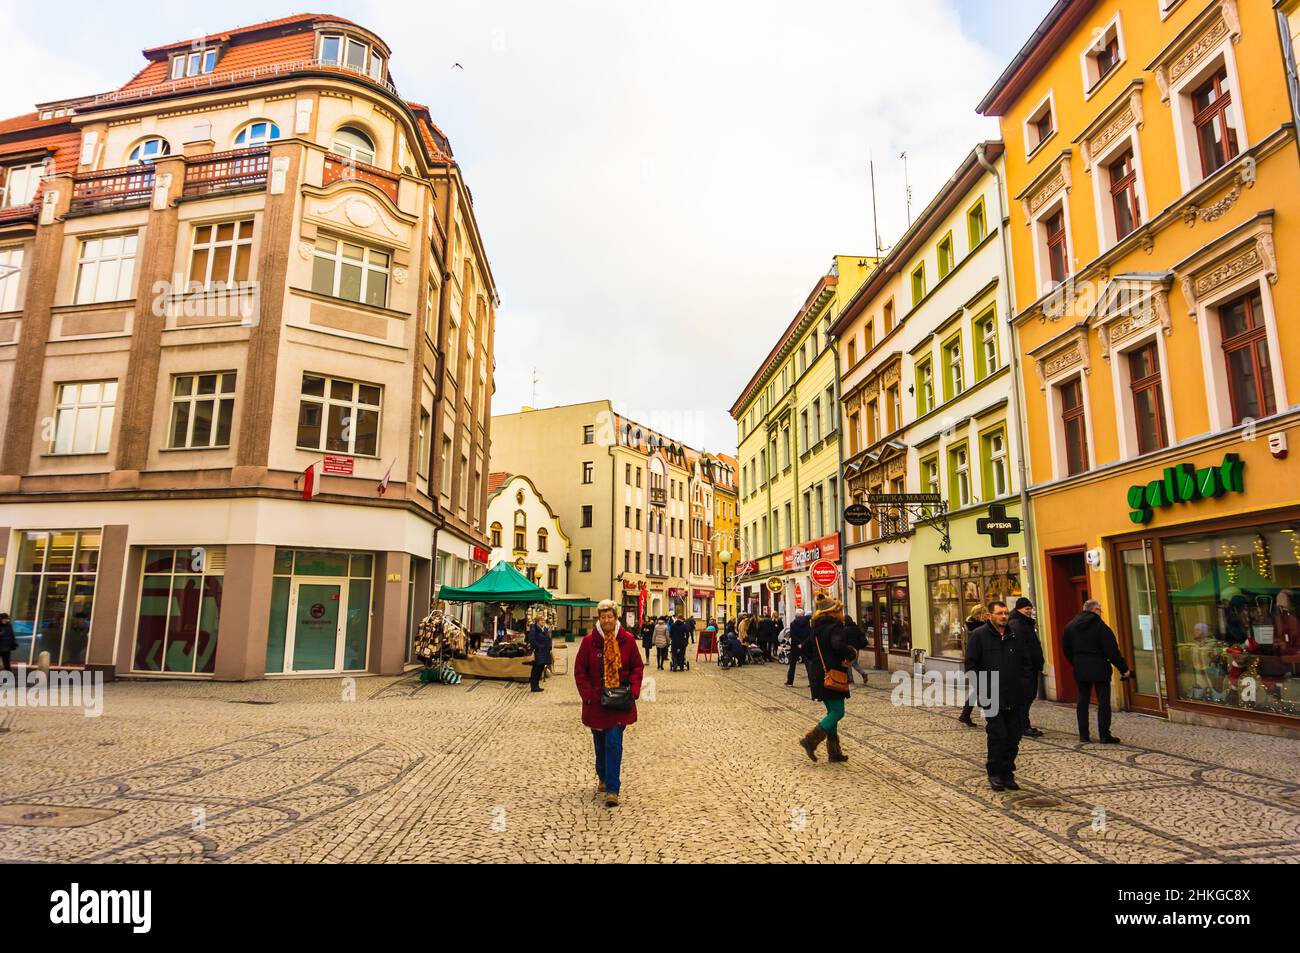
[1027, 513]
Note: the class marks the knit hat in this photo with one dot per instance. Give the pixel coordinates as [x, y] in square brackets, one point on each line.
[1023, 603]
[828, 605]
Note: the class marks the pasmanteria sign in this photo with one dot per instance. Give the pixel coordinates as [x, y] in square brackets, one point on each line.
[1184, 483]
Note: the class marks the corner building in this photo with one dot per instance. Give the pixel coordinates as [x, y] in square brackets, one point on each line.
[252, 261]
[1152, 164]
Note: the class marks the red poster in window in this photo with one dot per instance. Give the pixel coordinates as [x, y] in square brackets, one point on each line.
[340, 466]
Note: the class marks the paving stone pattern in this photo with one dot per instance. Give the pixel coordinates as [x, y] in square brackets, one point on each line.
[486, 771]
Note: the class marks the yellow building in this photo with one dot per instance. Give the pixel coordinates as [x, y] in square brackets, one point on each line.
[1155, 193]
[726, 533]
[790, 481]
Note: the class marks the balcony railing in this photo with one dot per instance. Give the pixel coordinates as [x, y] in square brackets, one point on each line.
[20, 213]
[112, 189]
[227, 171]
[339, 168]
[268, 71]
[658, 496]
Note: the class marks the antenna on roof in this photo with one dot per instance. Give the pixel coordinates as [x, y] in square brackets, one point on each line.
[875, 225]
[907, 185]
[534, 387]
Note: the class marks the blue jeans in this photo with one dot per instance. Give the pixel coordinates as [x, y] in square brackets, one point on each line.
[609, 756]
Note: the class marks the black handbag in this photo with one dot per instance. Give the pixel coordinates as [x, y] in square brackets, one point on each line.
[617, 699]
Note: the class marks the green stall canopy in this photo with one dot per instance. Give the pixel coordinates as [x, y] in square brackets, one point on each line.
[577, 603]
[502, 583]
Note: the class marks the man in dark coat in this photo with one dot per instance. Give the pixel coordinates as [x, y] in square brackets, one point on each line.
[799, 631]
[539, 638]
[1025, 628]
[647, 636]
[1091, 648]
[994, 657]
[766, 634]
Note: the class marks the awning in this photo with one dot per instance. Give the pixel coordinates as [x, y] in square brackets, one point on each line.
[502, 583]
[576, 602]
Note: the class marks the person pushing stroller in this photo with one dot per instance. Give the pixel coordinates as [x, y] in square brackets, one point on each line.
[679, 635]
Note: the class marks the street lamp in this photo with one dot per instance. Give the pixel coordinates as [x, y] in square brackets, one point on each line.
[725, 558]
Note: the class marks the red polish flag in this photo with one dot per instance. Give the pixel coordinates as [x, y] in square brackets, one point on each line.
[311, 480]
[383, 484]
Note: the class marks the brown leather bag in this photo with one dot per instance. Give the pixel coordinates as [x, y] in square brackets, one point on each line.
[835, 680]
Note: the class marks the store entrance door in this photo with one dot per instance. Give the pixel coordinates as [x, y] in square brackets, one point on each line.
[1139, 622]
[1068, 577]
[317, 610]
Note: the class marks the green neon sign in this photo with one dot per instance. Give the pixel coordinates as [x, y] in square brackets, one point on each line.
[1184, 483]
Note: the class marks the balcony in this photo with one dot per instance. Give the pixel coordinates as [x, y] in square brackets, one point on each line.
[237, 171]
[112, 189]
[20, 213]
[658, 496]
[339, 168]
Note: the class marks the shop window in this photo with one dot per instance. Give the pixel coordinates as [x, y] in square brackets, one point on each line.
[83, 417]
[1231, 596]
[1148, 398]
[957, 588]
[338, 416]
[1245, 354]
[1073, 425]
[350, 271]
[180, 610]
[203, 407]
[54, 595]
[331, 631]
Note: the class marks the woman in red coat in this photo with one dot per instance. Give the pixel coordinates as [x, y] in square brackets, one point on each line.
[608, 658]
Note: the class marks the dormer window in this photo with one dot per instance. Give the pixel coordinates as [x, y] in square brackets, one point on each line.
[352, 143]
[20, 183]
[148, 151]
[194, 63]
[257, 134]
[340, 50]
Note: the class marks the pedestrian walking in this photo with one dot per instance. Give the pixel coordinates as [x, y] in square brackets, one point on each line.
[800, 629]
[608, 671]
[663, 635]
[978, 616]
[647, 636]
[767, 634]
[539, 639]
[993, 656]
[858, 639]
[1024, 627]
[1090, 647]
[8, 641]
[827, 655]
[690, 628]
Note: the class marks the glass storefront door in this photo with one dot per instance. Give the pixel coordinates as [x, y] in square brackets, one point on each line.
[317, 635]
[320, 612]
[1140, 628]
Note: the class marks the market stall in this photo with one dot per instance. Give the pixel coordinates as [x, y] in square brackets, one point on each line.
[502, 587]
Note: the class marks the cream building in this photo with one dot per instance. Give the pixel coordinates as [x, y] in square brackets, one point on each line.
[524, 531]
[252, 270]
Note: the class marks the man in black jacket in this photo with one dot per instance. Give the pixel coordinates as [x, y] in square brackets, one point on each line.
[800, 629]
[766, 634]
[1024, 627]
[1091, 648]
[995, 657]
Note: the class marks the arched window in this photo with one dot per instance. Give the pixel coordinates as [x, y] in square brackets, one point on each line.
[541, 540]
[352, 143]
[521, 531]
[257, 134]
[496, 535]
[149, 150]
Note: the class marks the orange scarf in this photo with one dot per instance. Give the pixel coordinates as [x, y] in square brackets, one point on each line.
[613, 658]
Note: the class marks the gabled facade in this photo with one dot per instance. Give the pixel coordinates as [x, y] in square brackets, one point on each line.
[249, 277]
[524, 531]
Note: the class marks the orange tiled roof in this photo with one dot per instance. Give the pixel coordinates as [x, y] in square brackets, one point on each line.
[496, 481]
[294, 48]
[226, 35]
[30, 133]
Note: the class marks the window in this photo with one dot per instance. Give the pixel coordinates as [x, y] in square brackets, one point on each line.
[852, 351]
[821, 509]
[588, 472]
[353, 272]
[893, 408]
[627, 474]
[1245, 352]
[959, 476]
[552, 577]
[586, 517]
[1057, 259]
[1101, 59]
[1216, 139]
[339, 416]
[1148, 400]
[889, 316]
[11, 267]
[873, 422]
[946, 259]
[1074, 426]
[918, 286]
[627, 517]
[221, 254]
[20, 184]
[996, 475]
[106, 269]
[1039, 126]
[815, 416]
[83, 417]
[336, 50]
[831, 419]
[203, 406]
[987, 330]
[352, 143]
[789, 526]
[542, 540]
[930, 476]
[954, 382]
[976, 223]
[585, 561]
[421, 450]
[257, 134]
[148, 151]
[444, 464]
[193, 64]
[54, 595]
[855, 423]
[589, 433]
[1123, 193]
[924, 387]
[638, 478]
[869, 335]
[495, 534]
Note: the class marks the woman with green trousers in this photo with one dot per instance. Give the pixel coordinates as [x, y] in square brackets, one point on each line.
[827, 648]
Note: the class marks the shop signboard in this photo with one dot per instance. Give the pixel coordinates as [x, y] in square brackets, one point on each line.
[774, 585]
[997, 526]
[747, 568]
[798, 557]
[339, 465]
[824, 573]
[857, 514]
[480, 555]
[1184, 483]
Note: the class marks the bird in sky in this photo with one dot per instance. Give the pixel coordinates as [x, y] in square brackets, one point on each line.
[457, 66]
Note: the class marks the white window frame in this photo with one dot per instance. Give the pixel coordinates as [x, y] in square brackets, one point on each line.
[1103, 206]
[352, 405]
[1087, 59]
[193, 63]
[102, 405]
[350, 150]
[242, 237]
[1056, 432]
[251, 140]
[1184, 113]
[1121, 380]
[962, 472]
[954, 366]
[1217, 392]
[988, 335]
[122, 262]
[998, 466]
[368, 267]
[217, 398]
[30, 174]
[1038, 223]
[11, 276]
[1029, 126]
[141, 155]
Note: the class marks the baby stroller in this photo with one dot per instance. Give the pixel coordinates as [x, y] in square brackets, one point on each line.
[728, 658]
[783, 648]
[677, 659]
[755, 655]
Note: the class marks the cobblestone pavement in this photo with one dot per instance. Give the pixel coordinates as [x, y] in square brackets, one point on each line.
[289, 771]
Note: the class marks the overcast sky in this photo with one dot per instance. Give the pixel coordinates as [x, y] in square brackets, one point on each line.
[659, 185]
